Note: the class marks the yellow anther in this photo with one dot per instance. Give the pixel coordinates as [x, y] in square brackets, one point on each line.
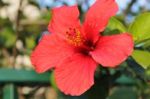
[74, 37]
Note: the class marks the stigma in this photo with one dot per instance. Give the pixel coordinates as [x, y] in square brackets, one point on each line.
[74, 37]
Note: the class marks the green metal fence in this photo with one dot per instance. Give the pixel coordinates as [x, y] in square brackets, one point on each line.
[11, 78]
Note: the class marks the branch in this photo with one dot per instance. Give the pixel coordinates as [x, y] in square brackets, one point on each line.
[128, 9]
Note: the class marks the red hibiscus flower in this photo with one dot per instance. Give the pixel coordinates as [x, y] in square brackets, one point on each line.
[75, 49]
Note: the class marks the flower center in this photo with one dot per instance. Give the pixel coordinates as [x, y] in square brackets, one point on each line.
[74, 37]
[87, 47]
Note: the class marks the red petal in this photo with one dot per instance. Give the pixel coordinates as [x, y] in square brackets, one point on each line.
[98, 16]
[49, 52]
[64, 18]
[113, 50]
[76, 74]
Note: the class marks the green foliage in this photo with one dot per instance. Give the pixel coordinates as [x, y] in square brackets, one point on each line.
[123, 93]
[30, 42]
[116, 24]
[146, 44]
[125, 80]
[47, 16]
[100, 89]
[142, 58]
[7, 37]
[53, 82]
[114, 27]
[140, 28]
[33, 2]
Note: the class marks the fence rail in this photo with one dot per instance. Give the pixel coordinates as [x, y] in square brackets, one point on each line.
[12, 77]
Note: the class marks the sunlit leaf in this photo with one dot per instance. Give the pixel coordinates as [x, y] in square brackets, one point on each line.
[142, 58]
[140, 28]
[115, 26]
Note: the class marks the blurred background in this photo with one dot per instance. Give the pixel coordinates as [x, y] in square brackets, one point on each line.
[23, 22]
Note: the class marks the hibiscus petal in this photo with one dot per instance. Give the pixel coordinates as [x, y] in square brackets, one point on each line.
[76, 74]
[98, 16]
[112, 50]
[63, 18]
[49, 52]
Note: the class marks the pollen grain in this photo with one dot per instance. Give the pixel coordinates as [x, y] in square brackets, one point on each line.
[74, 37]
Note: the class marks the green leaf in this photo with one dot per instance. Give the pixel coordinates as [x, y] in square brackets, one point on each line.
[115, 26]
[100, 88]
[146, 44]
[7, 38]
[53, 82]
[140, 28]
[30, 42]
[123, 79]
[124, 93]
[142, 58]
